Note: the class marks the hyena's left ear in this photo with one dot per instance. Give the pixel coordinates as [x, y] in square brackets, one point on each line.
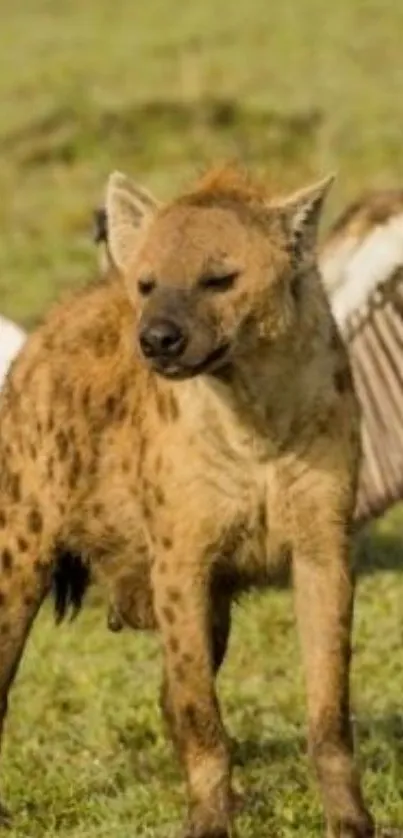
[301, 212]
[128, 209]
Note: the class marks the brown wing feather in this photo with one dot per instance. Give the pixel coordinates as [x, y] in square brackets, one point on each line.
[372, 326]
[376, 356]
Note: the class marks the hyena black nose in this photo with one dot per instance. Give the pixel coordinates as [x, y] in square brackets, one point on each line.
[162, 339]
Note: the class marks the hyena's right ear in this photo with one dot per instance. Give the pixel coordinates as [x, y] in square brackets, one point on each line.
[128, 209]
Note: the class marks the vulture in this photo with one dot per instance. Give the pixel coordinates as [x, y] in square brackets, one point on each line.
[361, 262]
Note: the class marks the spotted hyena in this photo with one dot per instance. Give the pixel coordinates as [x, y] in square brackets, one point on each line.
[178, 432]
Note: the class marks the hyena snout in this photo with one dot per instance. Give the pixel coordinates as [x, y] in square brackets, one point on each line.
[163, 339]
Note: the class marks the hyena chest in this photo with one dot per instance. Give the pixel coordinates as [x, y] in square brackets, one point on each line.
[257, 543]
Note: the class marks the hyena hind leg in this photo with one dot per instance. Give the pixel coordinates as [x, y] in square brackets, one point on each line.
[24, 582]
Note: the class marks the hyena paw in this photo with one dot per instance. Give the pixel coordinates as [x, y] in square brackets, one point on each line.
[191, 831]
[207, 825]
[114, 620]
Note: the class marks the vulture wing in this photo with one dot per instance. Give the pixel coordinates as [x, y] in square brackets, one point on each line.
[362, 266]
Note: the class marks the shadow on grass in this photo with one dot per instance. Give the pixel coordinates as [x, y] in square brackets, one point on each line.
[379, 551]
[375, 551]
[380, 746]
[376, 735]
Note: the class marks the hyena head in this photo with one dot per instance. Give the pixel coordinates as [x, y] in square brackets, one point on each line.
[214, 275]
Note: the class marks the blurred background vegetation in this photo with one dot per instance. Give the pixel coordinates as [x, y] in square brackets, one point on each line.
[162, 89]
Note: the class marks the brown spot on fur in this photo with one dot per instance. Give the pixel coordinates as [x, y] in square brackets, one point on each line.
[29, 600]
[202, 725]
[22, 544]
[126, 466]
[122, 412]
[51, 423]
[62, 444]
[174, 595]
[92, 467]
[3, 519]
[7, 560]
[173, 643]
[51, 467]
[169, 614]
[110, 406]
[142, 450]
[180, 673]
[262, 515]
[85, 400]
[75, 470]
[35, 521]
[106, 342]
[167, 542]
[162, 406]
[97, 509]
[68, 394]
[342, 380]
[15, 487]
[4, 628]
[159, 496]
[187, 658]
[40, 567]
[323, 424]
[173, 407]
[2, 598]
[195, 723]
[147, 511]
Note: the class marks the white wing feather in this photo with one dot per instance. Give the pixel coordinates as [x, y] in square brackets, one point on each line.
[11, 341]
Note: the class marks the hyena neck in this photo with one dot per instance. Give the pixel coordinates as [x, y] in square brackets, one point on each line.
[253, 408]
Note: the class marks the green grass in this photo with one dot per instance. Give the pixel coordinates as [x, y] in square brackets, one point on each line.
[162, 89]
[85, 755]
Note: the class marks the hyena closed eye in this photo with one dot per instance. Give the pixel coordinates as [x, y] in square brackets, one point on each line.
[175, 432]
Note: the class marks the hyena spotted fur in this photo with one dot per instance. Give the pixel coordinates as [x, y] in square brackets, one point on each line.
[178, 432]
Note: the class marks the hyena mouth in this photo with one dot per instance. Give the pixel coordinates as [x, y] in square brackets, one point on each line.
[180, 370]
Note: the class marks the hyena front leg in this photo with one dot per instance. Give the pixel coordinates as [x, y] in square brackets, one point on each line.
[183, 611]
[324, 603]
[219, 627]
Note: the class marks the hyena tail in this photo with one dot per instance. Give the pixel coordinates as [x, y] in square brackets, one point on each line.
[71, 578]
